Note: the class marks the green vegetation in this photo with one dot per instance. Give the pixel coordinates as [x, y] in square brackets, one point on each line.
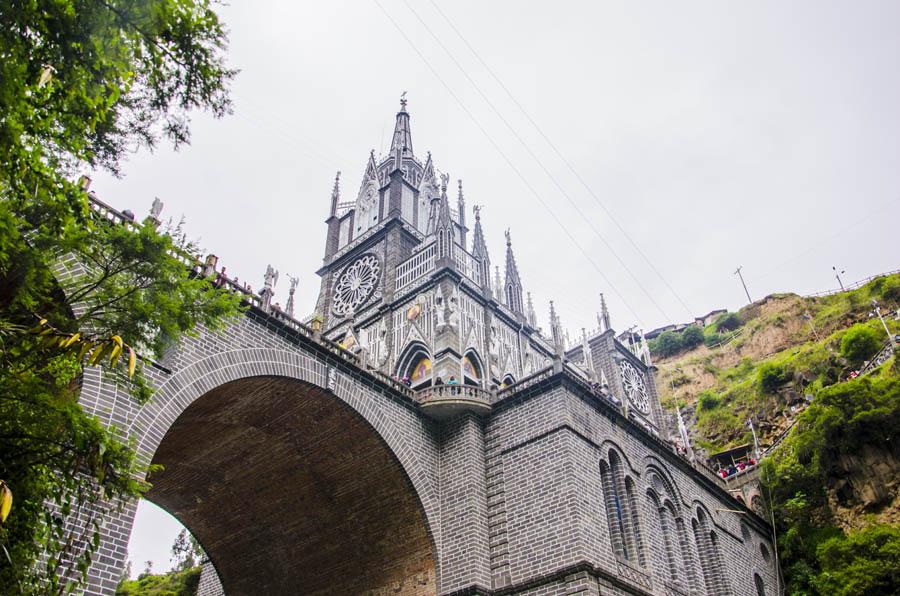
[845, 419]
[174, 583]
[81, 85]
[770, 376]
[728, 322]
[691, 337]
[860, 343]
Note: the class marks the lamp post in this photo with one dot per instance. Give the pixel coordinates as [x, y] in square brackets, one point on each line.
[838, 276]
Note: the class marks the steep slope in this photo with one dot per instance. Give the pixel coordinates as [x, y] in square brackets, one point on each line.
[815, 377]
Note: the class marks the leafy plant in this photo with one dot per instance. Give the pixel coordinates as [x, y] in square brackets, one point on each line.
[728, 322]
[691, 337]
[82, 84]
[860, 343]
[770, 376]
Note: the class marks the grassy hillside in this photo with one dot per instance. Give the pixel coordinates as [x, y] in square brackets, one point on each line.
[784, 348]
[788, 362]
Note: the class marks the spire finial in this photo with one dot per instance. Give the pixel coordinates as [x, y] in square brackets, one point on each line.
[605, 324]
[336, 193]
[459, 185]
[403, 101]
[477, 210]
[508, 237]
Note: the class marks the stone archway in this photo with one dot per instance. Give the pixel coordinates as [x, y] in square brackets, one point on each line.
[291, 491]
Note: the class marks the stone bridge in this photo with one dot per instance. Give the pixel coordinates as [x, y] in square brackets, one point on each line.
[302, 471]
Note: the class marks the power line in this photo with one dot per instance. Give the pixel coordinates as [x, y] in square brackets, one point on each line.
[505, 157]
[536, 159]
[561, 156]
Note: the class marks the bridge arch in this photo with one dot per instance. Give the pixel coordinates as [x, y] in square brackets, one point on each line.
[296, 476]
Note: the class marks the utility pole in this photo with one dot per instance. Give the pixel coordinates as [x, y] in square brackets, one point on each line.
[746, 291]
[838, 276]
[809, 319]
[877, 312]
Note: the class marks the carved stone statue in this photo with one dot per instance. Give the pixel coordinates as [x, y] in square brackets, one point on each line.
[156, 208]
[271, 277]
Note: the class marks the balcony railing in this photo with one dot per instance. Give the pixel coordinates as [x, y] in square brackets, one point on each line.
[415, 267]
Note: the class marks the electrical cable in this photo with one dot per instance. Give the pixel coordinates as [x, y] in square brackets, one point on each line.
[562, 157]
[505, 157]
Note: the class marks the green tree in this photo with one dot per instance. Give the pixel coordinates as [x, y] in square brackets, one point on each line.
[860, 343]
[691, 337]
[186, 552]
[728, 322]
[667, 344]
[82, 83]
[865, 562]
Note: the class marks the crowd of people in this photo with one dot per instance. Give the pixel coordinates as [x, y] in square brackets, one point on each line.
[736, 468]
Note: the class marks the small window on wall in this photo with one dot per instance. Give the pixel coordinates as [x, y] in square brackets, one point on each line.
[507, 381]
[760, 586]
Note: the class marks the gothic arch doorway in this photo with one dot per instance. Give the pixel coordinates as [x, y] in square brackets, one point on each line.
[290, 491]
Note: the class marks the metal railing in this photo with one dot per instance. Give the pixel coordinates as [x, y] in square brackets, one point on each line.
[855, 285]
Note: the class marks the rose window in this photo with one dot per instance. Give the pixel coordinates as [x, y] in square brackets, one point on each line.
[356, 285]
[635, 390]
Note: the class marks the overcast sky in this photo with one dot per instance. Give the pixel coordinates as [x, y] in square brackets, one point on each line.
[640, 149]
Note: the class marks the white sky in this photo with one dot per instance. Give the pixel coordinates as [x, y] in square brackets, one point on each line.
[717, 134]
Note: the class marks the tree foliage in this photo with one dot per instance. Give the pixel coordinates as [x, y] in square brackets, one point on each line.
[860, 343]
[691, 337]
[843, 420]
[728, 322]
[82, 83]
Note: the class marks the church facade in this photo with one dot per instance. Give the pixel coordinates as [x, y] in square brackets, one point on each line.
[420, 434]
[409, 287]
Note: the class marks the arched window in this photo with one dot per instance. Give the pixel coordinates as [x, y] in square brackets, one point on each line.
[710, 558]
[621, 511]
[414, 367]
[760, 586]
[507, 381]
[666, 519]
[471, 366]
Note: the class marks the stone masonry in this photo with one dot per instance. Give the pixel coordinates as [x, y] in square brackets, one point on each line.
[420, 434]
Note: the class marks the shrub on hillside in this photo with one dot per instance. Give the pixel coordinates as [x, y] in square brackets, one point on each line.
[860, 343]
[667, 344]
[890, 289]
[865, 562]
[707, 400]
[771, 376]
[691, 337]
[728, 322]
[713, 339]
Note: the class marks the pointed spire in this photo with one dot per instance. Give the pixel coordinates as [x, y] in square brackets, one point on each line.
[556, 330]
[336, 193]
[479, 249]
[513, 285]
[603, 317]
[461, 204]
[530, 314]
[443, 227]
[401, 143]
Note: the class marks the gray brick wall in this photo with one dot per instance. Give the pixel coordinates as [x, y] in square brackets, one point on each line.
[514, 502]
